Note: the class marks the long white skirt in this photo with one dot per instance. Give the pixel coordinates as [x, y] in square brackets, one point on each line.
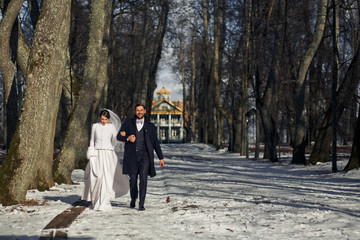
[104, 180]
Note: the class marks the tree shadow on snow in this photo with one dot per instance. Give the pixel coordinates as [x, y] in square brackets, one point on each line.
[232, 178]
[71, 199]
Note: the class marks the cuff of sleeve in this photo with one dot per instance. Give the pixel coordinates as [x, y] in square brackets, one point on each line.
[90, 152]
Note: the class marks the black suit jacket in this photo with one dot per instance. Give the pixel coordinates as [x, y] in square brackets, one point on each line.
[151, 141]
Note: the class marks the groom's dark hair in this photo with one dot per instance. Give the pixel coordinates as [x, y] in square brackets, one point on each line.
[140, 104]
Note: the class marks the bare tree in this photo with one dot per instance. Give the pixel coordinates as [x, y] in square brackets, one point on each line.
[156, 53]
[76, 137]
[192, 110]
[6, 25]
[29, 160]
[206, 78]
[347, 88]
[137, 40]
[300, 128]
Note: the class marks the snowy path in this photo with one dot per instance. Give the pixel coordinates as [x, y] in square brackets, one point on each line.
[217, 195]
[213, 195]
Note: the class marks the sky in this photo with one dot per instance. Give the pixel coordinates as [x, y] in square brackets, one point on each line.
[168, 79]
[206, 194]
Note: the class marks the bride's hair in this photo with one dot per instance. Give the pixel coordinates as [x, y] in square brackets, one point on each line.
[105, 113]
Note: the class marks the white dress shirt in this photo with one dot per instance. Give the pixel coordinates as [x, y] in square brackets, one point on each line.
[139, 124]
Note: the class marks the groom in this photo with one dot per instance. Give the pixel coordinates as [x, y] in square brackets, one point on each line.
[139, 135]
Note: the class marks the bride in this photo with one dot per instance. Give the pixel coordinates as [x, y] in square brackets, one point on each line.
[103, 174]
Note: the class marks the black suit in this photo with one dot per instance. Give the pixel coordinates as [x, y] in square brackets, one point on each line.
[139, 163]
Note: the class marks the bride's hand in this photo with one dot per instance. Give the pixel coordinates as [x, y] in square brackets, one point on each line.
[123, 133]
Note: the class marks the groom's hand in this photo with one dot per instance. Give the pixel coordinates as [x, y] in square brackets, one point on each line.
[162, 163]
[132, 138]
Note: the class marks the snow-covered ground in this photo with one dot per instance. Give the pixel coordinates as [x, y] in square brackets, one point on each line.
[205, 194]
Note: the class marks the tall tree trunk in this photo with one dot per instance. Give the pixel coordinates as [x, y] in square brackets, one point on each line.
[182, 70]
[157, 50]
[299, 140]
[12, 114]
[219, 32]
[65, 106]
[23, 51]
[245, 78]
[316, 78]
[206, 87]
[335, 80]
[267, 104]
[229, 99]
[264, 106]
[347, 88]
[140, 63]
[100, 99]
[192, 110]
[236, 110]
[77, 133]
[29, 160]
[215, 71]
[237, 129]
[258, 126]
[354, 161]
[20, 52]
[6, 25]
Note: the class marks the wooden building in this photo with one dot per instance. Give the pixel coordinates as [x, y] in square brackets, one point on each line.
[168, 117]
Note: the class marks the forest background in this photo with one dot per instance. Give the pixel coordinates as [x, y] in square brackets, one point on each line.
[288, 69]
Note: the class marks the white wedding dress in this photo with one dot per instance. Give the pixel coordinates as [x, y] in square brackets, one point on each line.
[103, 174]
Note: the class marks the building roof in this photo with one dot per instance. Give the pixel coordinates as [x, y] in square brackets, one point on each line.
[163, 91]
[174, 107]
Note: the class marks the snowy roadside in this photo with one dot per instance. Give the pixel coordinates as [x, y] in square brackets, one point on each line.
[205, 194]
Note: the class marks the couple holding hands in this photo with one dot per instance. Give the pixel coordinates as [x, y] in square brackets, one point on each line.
[117, 150]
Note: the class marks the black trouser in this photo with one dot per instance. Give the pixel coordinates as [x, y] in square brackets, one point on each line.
[143, 162]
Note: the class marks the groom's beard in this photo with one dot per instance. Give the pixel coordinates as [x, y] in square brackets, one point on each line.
[141, 117]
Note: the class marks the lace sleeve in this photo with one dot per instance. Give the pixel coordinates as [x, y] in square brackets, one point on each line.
[92, 136]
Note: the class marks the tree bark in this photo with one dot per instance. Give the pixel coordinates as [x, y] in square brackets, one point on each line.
[299, 140]
[215, 72]
[182, 70]
[335, 80]
[100, 98]
[157, 50]
[215, 83]
[257, 144]
[245, 89]
[354, 161]
[264, 106]
[23, 51]
[347, 88]
[206, 94]
[234, 115]
[12, 114]
[140, 62]
[192, 110]
[7, 67]
[267, 103]
[29, 160]
[77, 133]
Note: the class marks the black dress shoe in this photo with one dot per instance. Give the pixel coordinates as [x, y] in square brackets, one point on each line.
[132, 204]
[141, 208]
